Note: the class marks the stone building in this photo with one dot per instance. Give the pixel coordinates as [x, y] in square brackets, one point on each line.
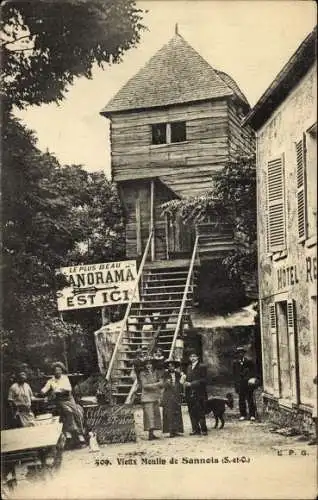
[285, 122]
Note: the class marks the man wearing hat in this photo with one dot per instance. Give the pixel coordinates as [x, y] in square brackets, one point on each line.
[195, 394]
[244, 375]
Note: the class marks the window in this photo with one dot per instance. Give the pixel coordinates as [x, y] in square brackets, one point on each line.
[178, 131]
[166, 133]
[159, 134]
[276, 216]
[284, 350]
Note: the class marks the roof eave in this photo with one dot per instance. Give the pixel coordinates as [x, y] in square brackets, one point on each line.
[297, 66]
[108, 113]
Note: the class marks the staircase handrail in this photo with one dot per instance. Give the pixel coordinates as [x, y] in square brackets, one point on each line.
[184, 298]
[124, 323]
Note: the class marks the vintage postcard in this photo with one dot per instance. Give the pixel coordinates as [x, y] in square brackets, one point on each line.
[159, 333]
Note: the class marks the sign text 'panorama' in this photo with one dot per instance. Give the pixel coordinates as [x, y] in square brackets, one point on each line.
[97, 285]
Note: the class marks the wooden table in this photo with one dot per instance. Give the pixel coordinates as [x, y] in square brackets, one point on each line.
[28, 438]
[31, 445]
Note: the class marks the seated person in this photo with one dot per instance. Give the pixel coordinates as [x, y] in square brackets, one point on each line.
[71, 414]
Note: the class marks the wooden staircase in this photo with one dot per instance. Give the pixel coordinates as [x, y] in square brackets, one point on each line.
[152, 322]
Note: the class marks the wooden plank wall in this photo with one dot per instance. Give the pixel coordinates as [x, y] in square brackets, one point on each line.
[162, 194]
[241, 139]
[130, 193]
[185, 167]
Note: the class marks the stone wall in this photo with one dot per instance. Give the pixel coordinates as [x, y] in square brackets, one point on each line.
[298, 419]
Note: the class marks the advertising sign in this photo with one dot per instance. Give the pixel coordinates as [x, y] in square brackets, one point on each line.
[97, 285]
[112, 424]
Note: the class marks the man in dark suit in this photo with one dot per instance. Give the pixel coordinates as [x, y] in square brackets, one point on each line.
[196, 395]
[243, 371]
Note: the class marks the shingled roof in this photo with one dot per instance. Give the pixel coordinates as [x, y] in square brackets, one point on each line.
[176, 74]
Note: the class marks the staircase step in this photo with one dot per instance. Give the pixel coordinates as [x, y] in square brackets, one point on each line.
[177, 263]
[166, 273]
[219, 236]
[143, 309]
[122, 369]
[147, 316]
[164, 280]
[149, 285]
[168, 294]
[140, 331]
[163, 301]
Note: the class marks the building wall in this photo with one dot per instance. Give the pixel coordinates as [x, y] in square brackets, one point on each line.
[289, 274]
[186, 167]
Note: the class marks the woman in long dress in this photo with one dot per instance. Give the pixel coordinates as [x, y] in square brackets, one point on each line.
[172, 399]
[71, 414]
[151, 386]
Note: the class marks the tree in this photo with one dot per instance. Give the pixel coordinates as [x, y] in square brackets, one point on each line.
[49, 211]
[47, 43]
[52, 212]
[232, 199]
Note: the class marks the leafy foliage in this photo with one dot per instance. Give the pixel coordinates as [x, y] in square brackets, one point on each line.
[52, 215]
[231, 199]
[47, 43]
[49, 214]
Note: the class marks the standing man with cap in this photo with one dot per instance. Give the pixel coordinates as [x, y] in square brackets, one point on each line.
[196, 395]
[244, 371]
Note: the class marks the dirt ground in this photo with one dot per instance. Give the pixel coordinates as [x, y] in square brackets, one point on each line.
[243, 460]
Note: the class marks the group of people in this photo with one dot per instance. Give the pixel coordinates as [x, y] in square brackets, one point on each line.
[163, 383]
[58, 389]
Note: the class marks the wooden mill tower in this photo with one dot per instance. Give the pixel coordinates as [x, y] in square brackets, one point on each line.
[173, 126]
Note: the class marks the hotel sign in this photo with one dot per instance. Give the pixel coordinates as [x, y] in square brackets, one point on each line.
[97, 285]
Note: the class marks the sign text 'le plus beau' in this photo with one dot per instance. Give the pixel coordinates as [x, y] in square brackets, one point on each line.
[97, 285]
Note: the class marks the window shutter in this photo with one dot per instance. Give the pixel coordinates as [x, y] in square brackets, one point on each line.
[276, 204]
[275, 365]
[266, 219]
[301, 188]
[292, 343]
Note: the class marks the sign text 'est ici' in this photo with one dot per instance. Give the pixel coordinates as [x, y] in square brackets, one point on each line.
[97, 285]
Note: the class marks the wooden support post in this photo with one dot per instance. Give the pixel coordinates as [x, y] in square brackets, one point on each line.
[105, 317]
[64, 345]
[152, 218]
[167, 235]
[138, 227]
[177, 223]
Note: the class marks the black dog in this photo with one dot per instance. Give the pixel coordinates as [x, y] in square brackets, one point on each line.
[217, 406]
